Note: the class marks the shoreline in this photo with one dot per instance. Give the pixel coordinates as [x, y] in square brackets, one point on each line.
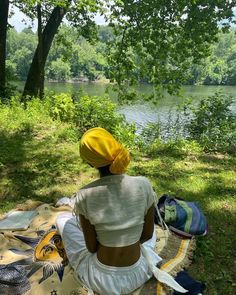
[80, 81]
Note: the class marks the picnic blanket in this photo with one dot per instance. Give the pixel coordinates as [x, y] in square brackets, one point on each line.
[60, 280]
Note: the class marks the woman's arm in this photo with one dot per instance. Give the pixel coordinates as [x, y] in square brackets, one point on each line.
[90, 235]
[148, 226]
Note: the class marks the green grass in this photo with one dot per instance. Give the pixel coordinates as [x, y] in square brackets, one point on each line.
[36, 163]
[39, 159]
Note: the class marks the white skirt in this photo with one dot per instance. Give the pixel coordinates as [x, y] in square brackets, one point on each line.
[104, 279]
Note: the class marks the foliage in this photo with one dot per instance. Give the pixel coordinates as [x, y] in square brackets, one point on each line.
[80, 14]
[154, 41]
[80, 112]
[97, 111]
[61, 107]
[11, 72]
[171, 129]
[87, 62]
[219, 68]
[73, 58]
[14, 116]
[212, 123]
[105, 33]
[125, 133]
[100, 111]
[20, 49]
[85, 112]
[150, 133]
[208, 125]
[58, 70]
[85, 59]
[159, 40]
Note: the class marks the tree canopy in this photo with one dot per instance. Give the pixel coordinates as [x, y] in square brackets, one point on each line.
[71, 57]
[155, 41]
[161, 39]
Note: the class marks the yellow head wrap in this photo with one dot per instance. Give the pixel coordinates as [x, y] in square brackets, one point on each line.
[99, 148]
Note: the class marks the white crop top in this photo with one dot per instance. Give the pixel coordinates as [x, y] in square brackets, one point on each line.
[116, 205]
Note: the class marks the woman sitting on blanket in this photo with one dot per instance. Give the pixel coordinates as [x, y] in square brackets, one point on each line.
[110, 241]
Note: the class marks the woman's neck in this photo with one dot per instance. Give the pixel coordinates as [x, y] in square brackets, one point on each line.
[104, 171]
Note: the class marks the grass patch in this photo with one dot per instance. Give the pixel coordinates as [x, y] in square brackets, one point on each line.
[35, 163]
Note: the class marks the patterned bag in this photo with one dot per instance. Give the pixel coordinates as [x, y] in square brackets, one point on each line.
[184, 218]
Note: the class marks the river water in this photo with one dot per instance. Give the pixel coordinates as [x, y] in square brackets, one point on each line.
[141, 113]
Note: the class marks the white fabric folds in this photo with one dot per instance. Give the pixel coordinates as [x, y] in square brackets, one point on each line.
[161, 275]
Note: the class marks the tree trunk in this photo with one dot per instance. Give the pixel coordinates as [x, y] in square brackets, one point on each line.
[40, 52]
[4, 8]
[34, 81]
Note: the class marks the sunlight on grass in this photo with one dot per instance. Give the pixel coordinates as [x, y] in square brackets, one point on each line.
[192, 184]
[227, 205]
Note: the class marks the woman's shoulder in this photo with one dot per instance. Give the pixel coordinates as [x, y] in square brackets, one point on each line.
[121, 179]
[81, 196]
[141, 179]
[91, 184]
[92, 188]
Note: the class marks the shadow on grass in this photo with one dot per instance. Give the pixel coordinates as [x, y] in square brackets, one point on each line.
[28, 165]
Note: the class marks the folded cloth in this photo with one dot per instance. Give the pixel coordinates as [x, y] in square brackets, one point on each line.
[194, 287]
[65, 201]
[17, 220]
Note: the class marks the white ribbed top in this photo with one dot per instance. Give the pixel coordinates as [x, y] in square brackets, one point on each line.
[116, 206]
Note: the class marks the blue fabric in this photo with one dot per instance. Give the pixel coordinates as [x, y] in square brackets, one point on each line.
[181, 215]
[198, 224]
[13, 280]
[194, 287]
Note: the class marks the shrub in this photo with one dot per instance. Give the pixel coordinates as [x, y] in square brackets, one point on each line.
[125, 133]
[96, 111]
[150, 133]
[81, 113]
[212, 123]
[14, 115]
[100, 111]
[78, 113]
[61, 107]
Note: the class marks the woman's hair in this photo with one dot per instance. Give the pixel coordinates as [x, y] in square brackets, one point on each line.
[105, 170]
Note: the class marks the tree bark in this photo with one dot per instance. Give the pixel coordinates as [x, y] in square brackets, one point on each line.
[4, 8]
[34, 81]
[40, 52]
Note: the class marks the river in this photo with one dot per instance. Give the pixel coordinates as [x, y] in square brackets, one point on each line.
[141, 113]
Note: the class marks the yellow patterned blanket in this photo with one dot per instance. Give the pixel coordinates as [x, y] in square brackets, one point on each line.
[56, 277]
